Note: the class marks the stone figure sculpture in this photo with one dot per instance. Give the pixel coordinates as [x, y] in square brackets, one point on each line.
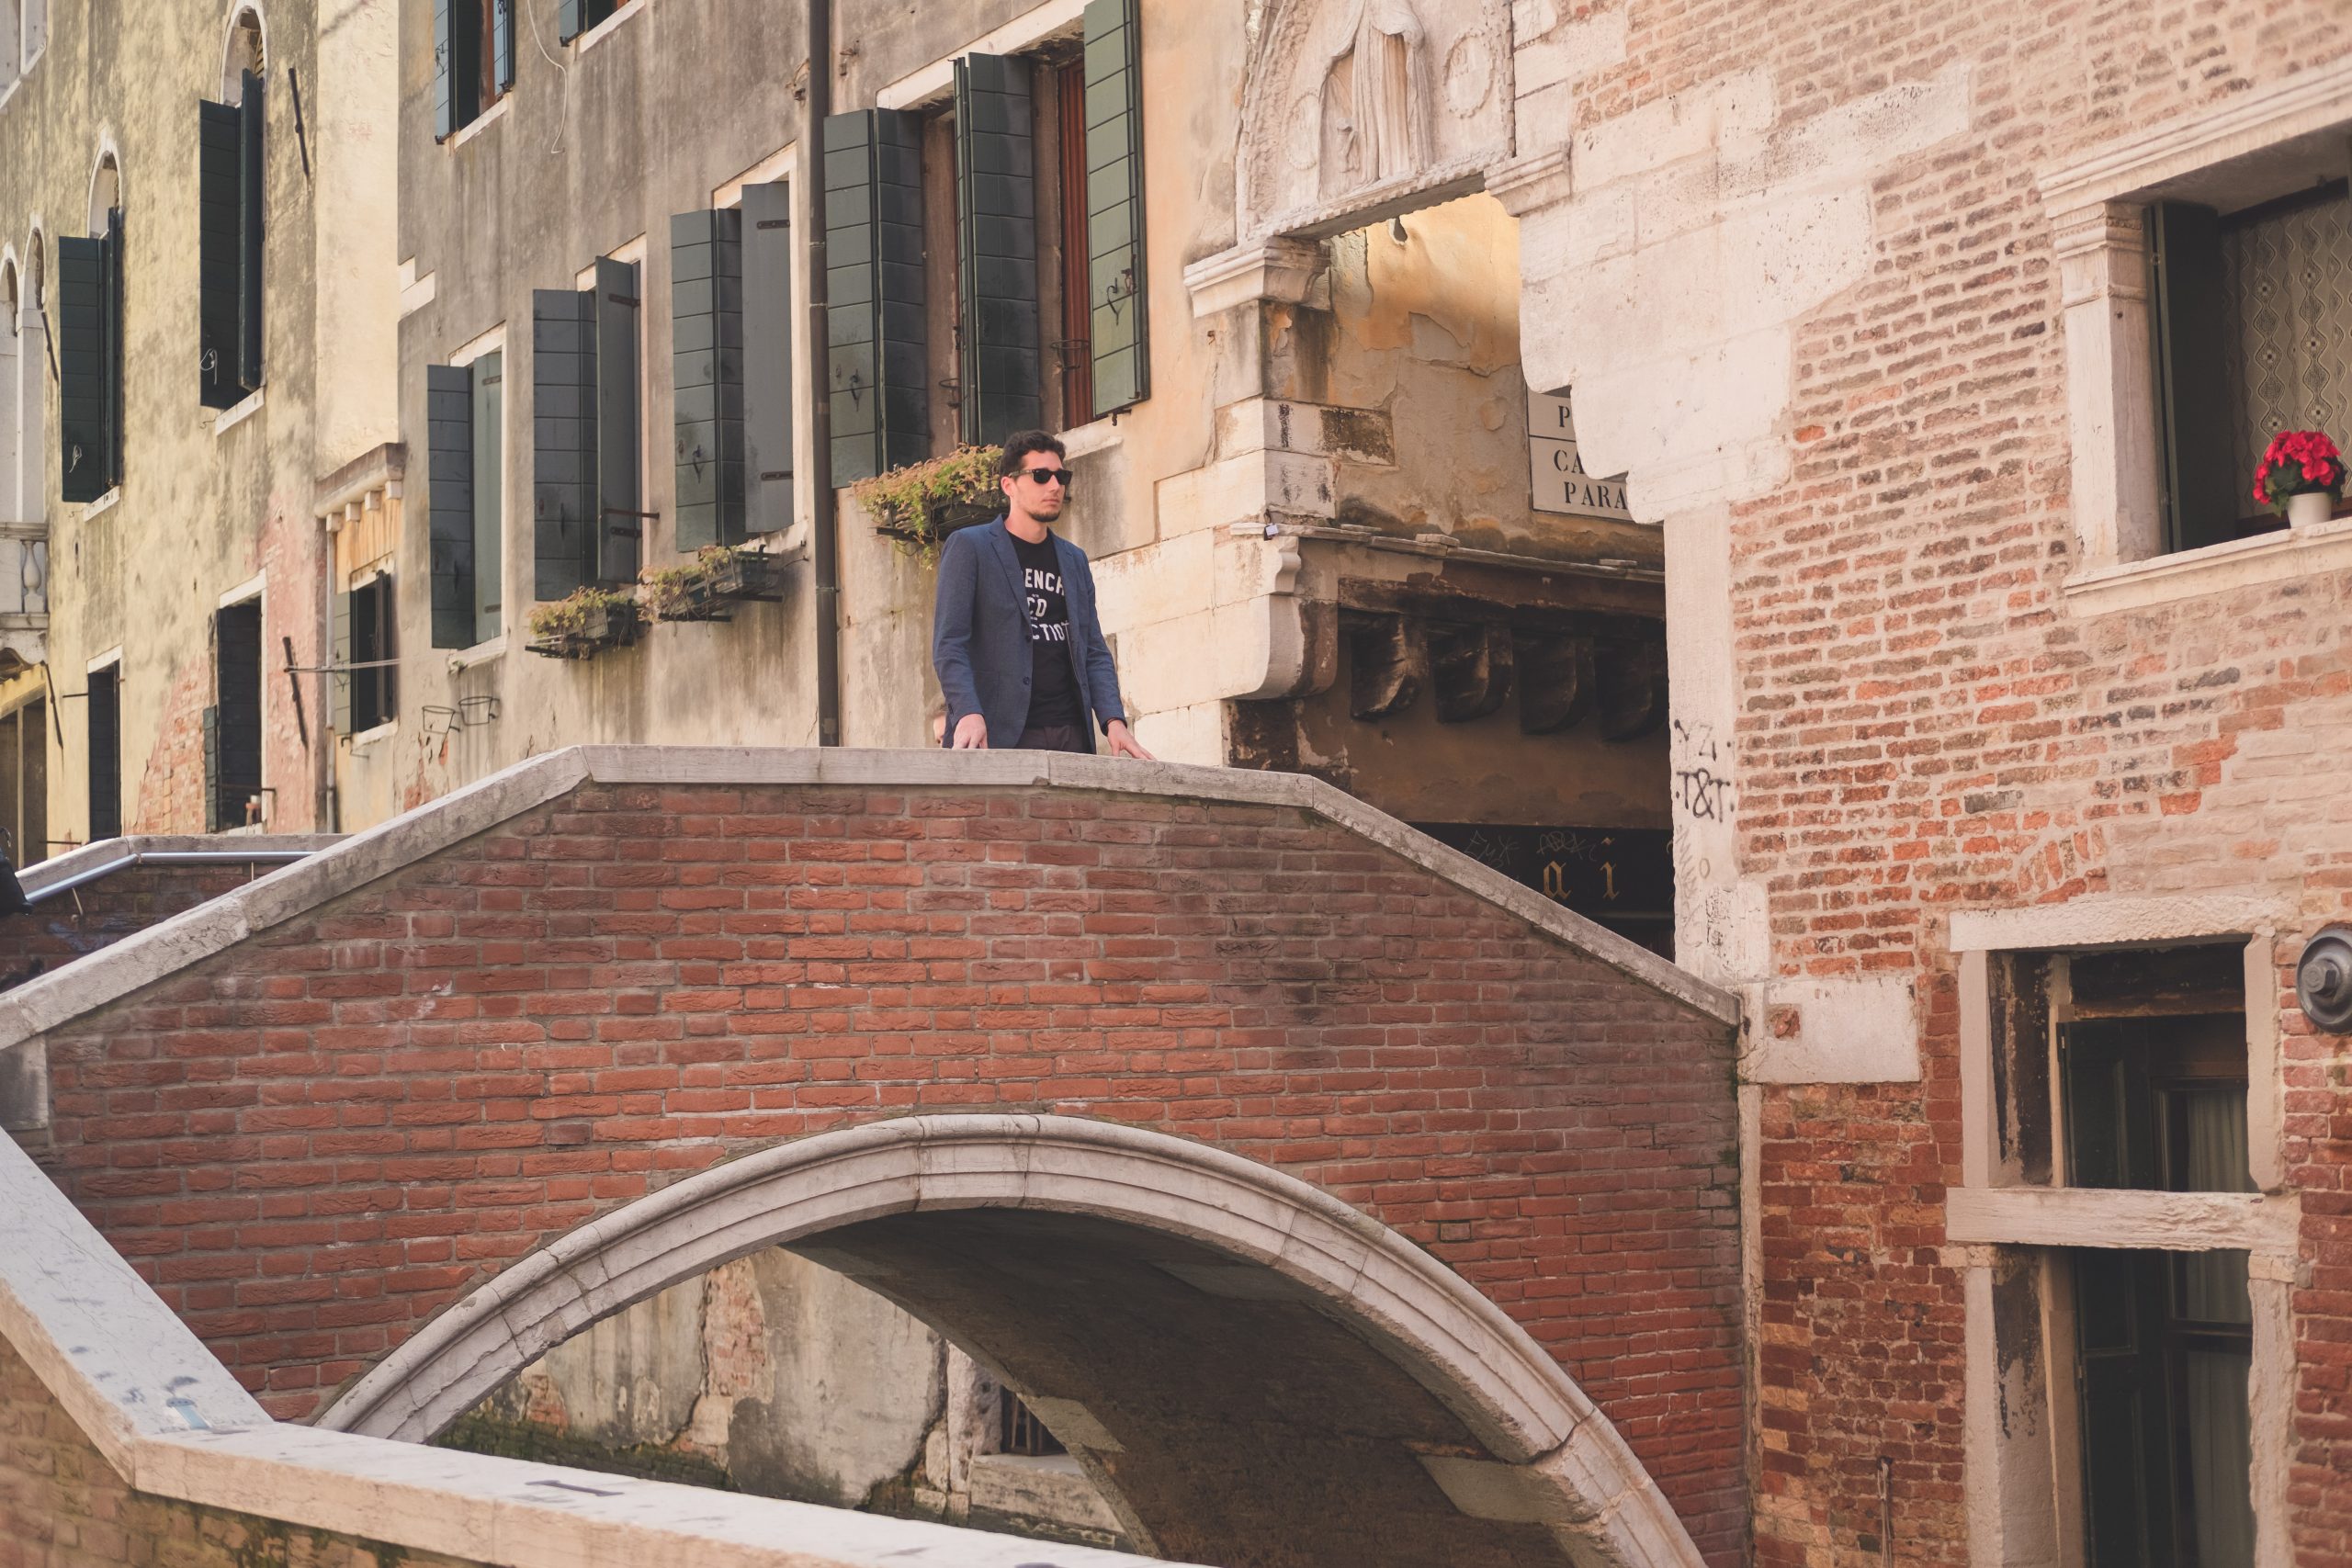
[1375, 98]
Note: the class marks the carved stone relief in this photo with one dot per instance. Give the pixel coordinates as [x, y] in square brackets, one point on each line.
[1363, 101]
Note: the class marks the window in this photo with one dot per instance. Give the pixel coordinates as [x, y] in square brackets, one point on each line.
[2164, 1342]
[1079, 249]
[231, 192]
[24, 783]
[232, 763]
[2112, 1075]
[473, 61]
[104, 714]
[588, 516]
[89, 347]
[466, 480]
[730, 314]
[2252, 323]
[573, 18]
[366, 618]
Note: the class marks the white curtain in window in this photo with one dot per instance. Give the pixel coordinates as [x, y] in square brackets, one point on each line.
[2220, 1457]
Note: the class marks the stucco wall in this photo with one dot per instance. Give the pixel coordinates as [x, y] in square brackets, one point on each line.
[202, 513]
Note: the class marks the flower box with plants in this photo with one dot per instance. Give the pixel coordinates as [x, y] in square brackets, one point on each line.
[921, 503]
[719, 577]
[585, 625]
[2301, 477]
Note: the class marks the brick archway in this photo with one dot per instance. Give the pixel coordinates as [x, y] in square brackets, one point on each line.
[1531, 1463]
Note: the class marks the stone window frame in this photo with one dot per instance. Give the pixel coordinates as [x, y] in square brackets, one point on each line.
[2095, 206]
[2023, 1483]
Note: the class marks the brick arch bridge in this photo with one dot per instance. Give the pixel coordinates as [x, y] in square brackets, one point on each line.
[332, 1114]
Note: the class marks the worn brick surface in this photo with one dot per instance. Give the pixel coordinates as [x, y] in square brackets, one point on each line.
[61, 1506]
[1925, 725]
[311, 1142]
[102, 912]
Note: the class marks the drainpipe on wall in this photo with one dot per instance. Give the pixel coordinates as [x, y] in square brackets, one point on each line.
[824, 532]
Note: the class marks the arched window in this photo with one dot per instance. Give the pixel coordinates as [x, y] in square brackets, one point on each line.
[106, 191]
[247, 53]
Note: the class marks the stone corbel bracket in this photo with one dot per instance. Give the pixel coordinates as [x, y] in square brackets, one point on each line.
[1280, 270]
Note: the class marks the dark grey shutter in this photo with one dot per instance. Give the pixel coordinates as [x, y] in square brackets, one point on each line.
[456, 65]
[220, 176]
[237, 636]
[619, 494]
[212, 790]
[501, 43]
[2201, 502]
[874, 243]
[563, 441]
[340, 657]
[2110, 1104]
[110, 351]
[81, 380]
[449, 487]
[252, 187]
[1114, 204]
[996, 247]
[767, 358]
[105, 752]
[707, 331]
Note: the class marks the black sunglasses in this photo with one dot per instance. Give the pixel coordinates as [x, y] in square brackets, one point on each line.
[1049, 476]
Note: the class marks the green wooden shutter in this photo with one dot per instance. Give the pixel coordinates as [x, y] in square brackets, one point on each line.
[449, 501]
[2197, 419]
[340, 658]
[81, 380]
[501, 43]
[767, 358]
[1121, 345]
[563, 441]
[252, 187]
[619, 493]
[874, 241]
[219, 178]
[996, 235]
[707, 343]
[2127, 1429]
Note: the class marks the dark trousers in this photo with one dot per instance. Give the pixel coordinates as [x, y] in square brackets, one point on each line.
[1051, 737]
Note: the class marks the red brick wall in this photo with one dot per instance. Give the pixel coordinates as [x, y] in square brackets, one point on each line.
[313, 1141]
[1925, 725]
[102, 912]
[61, 1506]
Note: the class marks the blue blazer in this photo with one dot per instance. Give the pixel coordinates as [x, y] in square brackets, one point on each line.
[980, 640]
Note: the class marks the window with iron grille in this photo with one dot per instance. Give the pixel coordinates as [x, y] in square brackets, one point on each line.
[1018, 1429]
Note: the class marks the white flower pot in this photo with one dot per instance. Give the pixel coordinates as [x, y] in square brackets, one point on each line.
[2309, 509]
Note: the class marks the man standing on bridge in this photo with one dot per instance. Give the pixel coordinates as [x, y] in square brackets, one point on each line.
[1015, 638]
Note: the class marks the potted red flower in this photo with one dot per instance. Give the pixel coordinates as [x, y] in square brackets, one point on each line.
[2302, 474]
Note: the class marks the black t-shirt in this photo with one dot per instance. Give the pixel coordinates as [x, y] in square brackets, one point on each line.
[1053, 687]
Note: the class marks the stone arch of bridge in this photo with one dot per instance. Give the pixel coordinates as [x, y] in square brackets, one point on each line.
[1251, 1370]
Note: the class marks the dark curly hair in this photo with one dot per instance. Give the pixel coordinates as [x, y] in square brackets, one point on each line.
[1019, 443]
